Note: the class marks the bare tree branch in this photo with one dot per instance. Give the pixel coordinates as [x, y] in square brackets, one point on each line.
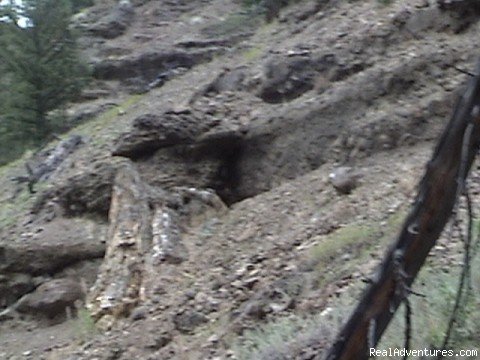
[438, 192]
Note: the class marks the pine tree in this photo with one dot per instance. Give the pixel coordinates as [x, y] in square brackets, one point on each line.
[43, 70]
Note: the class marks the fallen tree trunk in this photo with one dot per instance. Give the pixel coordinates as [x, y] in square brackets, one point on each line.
[438, 192]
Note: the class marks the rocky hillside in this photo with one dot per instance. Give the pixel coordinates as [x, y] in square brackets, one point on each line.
[232, 180]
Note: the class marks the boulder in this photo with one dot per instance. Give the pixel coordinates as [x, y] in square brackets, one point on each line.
[459, 5]
[52, 298]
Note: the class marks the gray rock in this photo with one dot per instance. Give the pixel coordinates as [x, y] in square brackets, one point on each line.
[285, 79]
[46, 163]
[159, 340]
[187, 321]
[52, 298]
[61, 243]
[228, 80]
[149, 66]
[87, 191]
[151, 132]
[139, 313]
[344, 179]
[116, 23]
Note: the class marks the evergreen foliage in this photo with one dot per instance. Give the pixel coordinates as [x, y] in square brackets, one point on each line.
[41, 71]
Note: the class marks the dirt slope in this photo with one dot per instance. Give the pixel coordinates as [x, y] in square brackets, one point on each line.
[206, 95]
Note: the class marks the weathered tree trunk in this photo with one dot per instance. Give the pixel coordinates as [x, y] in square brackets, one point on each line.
[438, 191]
[46, 162]
[116, 291]
[144, 233]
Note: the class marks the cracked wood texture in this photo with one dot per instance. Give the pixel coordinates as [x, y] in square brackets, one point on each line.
[435, 201]
[117, 289]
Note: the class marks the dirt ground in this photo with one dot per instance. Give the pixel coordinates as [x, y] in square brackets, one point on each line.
[364, 84]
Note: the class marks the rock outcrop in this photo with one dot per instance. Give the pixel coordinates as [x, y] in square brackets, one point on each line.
[116, 22]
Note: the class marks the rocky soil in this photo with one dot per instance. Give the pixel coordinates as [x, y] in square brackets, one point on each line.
[233, 173]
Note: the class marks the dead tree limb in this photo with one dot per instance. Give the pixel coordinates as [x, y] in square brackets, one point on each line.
[438, 192]
[46, 162]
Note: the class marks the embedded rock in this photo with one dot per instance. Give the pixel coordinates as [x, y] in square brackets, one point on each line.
[151, 132]
[286, 79]
[86, 191]
[187, 321]
[52, 298]
[70, 240]
[344, 179]
[116, 23]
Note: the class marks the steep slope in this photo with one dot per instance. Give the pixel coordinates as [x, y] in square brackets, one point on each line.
[196, 95]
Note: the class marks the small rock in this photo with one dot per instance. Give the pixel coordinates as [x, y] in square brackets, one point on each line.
[344, 179]
[213, 339]
[187, 321]
[159, 341]
[139, 313]
[190, 294]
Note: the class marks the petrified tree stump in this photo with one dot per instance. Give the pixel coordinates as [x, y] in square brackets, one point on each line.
[145, 232]
[117, 288]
